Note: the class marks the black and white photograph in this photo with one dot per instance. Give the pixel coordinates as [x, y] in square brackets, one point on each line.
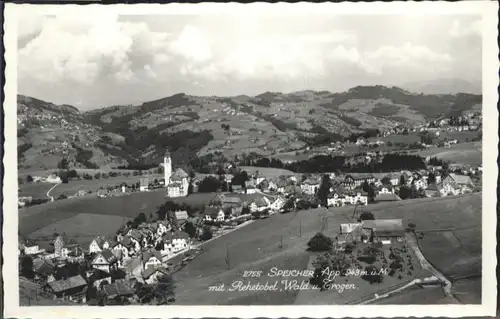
[250, 155]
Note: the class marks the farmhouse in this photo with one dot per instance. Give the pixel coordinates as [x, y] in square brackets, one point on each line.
[98, 244]
[384, 231]
[462, 183]
[351, 232]
[214, 214]
[432, 191]
[144, 184]
[310, 186]
[120, 288]
[99, 278]
[151, 258]
[104, 261]
[74, 288]
[251, 187]
[151, 274]
[353, 181]
[43, 267]
[386, 197]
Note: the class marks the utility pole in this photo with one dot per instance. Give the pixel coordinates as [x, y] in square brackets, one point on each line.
[281, 242]
[228, 262]
[300, 229]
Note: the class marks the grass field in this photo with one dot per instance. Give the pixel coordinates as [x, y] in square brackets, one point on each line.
[82, 227]
[93, 185]
[267, 172]
[35, 190]
[417, 296]
[37, 217]
[257, 247]
[464, 153]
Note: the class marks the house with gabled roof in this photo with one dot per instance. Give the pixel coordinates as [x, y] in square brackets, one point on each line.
[432, 191]
[105, 261]
[260, 204]
[386, 197]
[178, 184]
[73, 288]
[250, 187]
[385, 231]
[310, 185]
[151, 274]
[43, 267]
[98, 244]
[151, 258]
[461, 183]
[120, 288]
[214, 214]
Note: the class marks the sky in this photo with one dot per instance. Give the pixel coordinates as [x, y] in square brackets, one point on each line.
[101, 58]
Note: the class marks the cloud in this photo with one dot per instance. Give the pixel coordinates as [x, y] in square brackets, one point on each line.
[463, 29]
[100, 52]
[84, 49]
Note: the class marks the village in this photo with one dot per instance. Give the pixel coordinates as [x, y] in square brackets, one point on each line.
[143, 252]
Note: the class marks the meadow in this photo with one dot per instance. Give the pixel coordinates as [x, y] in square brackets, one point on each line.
[281, 241]
[82, 228]
[465, 153]
[35, 190]
[37, 217]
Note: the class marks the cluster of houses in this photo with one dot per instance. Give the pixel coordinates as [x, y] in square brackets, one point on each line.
[141, 253]
[347, 189]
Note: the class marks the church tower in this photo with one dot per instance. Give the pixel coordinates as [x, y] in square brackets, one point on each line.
[167, 167]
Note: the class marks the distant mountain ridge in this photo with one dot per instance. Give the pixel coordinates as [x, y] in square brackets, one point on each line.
[191, 126]
[444, 86]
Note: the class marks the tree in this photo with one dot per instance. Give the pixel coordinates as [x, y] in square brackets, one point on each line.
[320, 242]
[366, 187]
[324, 190]
[65, 180]
[373, 275]
[366, 216]
[164, 290]
[63, 164]
[141, 218]
[209, 184]
[431, 179]
[26, 268]
[386, 180]
[190, 229]
[404, 192]
[29, 178]
[207, 233]
[402, 181]
[62, 196]
[97, 176]
[371, 194]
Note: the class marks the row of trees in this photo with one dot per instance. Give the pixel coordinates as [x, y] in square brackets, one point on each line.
[329, 163]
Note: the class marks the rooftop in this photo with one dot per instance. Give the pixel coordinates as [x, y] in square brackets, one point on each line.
[67, 284]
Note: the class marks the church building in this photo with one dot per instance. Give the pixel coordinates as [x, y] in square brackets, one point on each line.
[177, 183]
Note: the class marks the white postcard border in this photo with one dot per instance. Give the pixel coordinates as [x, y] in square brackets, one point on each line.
[487, 9]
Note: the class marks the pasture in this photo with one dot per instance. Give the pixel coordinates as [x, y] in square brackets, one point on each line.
[281, 241]
[82, 227]
[35, 190]
[464, 153]
[266, 171]
[37, 217]
[74, 186]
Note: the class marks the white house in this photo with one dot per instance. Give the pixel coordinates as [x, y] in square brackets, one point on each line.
[278, 203]
[179, 184]
[260, 204]
[151, 258]
[151, 274]
[98, 244]
[144, 184]
[309, 186]
[335, 200]
[53, 178]
[104, 261]
[162, 227]
[214, 214]
[360, 198]
[33, 250]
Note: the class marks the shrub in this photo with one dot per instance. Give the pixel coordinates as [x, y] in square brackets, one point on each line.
[369, 259]
[372, 275]
[62, 196]
[320, 242]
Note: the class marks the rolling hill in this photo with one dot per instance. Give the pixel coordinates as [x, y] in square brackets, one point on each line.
[192, 126]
